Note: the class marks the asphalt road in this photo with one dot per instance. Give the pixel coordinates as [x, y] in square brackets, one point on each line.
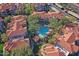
[62, 11]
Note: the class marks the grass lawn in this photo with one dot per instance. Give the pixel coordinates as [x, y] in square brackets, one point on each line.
[1, 48]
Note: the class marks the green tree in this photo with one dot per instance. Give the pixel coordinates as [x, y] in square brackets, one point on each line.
[17, 12]
[28, 9]
[56, 27]
[1, 48]
[21, 51]
[51, 39]
[46, 7]
[4, 37]
[33, 23]
[53, 23]
[64, 21]
[7, 19]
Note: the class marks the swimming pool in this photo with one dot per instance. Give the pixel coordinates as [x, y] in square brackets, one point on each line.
[42, 31]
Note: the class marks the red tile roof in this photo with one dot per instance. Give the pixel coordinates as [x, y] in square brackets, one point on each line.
[49, 14]
[50, 50]
[68, 39]
[75, 48]
[3, 6]
[15, 44]
[72, 28]
[10, 6]
[16, 26]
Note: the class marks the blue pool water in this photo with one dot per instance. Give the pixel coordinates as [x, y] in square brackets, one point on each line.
[42, 31]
